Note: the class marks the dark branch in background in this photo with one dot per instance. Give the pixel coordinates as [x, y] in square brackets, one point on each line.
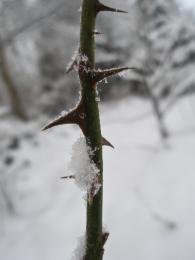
[149, 63]
[155, 101]
[15, 101]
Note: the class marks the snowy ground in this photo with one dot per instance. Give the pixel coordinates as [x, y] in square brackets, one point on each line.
[149, 192]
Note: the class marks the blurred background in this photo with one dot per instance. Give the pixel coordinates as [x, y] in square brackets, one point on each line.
[148, 115]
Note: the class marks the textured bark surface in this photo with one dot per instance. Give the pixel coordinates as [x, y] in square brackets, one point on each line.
[93, 133]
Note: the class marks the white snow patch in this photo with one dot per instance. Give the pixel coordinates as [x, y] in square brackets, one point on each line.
[80, 62]
[49, 214]
[79, 252]
[85, 171]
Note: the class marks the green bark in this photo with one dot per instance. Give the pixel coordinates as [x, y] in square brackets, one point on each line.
[94, 244]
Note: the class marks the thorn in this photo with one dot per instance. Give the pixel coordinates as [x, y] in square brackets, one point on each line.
[72, 62]
[97, 33]
[101, 8]
[105, 237]
[106, 142]
[70, 67]
[99, 75]
[61, 120]
[75, 116]
[53, 123]
[68, 177]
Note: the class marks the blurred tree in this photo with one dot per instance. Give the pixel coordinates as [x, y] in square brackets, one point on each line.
[153, 19]
[38, 19]
[15, 101]
[55, 50]
[46, 24]
[168, 40]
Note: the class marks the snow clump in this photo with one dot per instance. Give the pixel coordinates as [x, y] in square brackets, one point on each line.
[79, 251]
[84, 170]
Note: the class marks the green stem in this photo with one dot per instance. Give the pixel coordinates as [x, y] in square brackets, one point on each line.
[94, 244]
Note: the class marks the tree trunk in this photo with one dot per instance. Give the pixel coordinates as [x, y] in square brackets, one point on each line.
[16, 105]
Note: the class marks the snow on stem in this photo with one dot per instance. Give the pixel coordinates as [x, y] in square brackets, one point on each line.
[85, 172]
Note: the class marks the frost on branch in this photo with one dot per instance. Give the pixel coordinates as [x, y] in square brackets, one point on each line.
[84, 170]
[99, 75]
[72, 62]
[78, 62]
[79, 252]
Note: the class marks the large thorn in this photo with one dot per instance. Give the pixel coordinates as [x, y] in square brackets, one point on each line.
[75, 116]
[106, 142]
[101, 8]
[61, 120]
[99, 75]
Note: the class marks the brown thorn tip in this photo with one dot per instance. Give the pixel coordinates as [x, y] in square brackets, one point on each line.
[101, 8]
[106, 142]
[99, 75]
[64, 119]
[53, 123]
[105, 237]
[44, 128]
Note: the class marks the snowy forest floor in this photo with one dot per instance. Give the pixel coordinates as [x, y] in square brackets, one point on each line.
[149, 191]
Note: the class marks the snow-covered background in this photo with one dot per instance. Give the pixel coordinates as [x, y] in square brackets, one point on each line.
[188, 4]
[149, 183]
[149, 189]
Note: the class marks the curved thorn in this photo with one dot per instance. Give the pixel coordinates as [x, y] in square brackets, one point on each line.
[69, 118]
[55, 122]
[99, 75]
[102, 8]
[106, 142]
